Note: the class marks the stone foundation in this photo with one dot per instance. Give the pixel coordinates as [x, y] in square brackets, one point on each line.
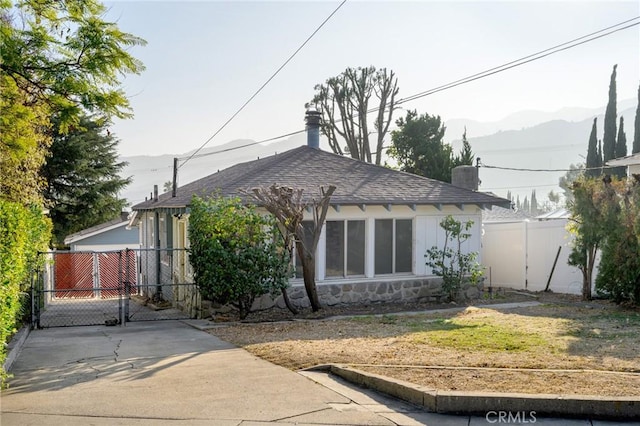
[409, 290]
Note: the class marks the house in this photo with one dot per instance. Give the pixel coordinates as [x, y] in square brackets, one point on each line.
[378, 228]
[632, 162]
[111, 235]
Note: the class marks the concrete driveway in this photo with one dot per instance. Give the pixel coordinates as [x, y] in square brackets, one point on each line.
[168, 372]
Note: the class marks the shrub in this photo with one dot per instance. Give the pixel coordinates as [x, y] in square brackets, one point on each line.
[450, 262]
[237, 254]
[23, 233]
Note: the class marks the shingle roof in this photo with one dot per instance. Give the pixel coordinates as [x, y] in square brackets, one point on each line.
[356, 182]
[122, 220]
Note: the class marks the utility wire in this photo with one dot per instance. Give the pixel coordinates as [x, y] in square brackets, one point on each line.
[516, 169]
[265, 83]
[506, 66]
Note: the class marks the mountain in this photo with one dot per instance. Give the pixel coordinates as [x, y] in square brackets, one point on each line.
[552, 141]
[149, 170]
[525, 119]
[550, 145]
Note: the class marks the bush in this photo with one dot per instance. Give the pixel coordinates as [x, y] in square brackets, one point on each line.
[237, 254]
[23, 233]
[449, 262]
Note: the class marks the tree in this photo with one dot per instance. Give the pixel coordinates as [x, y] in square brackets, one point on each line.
[591, 216]
[534, 203]
[24, 143]
[344, 102]
[63, 54]
[82, 175]
[418, 147]
[566, 182]
[619, 269]
[288, 206]
[610, 117]
[236, 253]
[636, 132]
[554, 199]
[167, 186]
[449, 262]
[594, 158]
[621, 150]
[466, 156]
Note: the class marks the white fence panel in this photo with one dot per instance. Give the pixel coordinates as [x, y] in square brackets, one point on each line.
[521, 255]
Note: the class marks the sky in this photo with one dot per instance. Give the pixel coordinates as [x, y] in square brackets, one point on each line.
[205, 59]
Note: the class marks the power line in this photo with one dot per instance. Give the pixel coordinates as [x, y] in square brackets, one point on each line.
[516, 169]
[486, 73]
[265, 83]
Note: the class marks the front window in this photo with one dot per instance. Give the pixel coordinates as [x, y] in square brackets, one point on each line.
[345, 248]
[393, 246]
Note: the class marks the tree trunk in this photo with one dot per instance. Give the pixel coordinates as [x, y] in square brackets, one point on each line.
[287, 302]
[309, 271]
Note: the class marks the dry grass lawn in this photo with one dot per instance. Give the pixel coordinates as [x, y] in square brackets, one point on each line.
[564, 348]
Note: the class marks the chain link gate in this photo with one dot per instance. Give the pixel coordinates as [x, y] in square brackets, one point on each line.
[113, 287]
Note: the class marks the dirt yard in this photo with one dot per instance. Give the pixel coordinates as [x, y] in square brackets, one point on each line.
[563, 346]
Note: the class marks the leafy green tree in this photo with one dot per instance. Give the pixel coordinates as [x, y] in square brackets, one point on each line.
[619, 269]
[344, 102]
[592, 213]
[610, 117]
[594, 158]
[417, 145]
[566, 182]
[82, 176]
[236, 253]
[450, 262]
[62, 53]
[24, 144]
[636, 133]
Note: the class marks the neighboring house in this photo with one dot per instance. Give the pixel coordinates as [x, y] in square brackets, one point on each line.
[631, 162]
[521, 253]
[112, 235]
[378, 228]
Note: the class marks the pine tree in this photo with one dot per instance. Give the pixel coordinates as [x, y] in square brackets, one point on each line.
[534, 203]
[465, 158]
[621, 150]
[83, 177]
[636, 133]
[610, 117]
[593, 161]
[509, 196]
[525, 205]
[599, 156]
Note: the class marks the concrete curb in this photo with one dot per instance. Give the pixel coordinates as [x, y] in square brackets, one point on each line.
[15, 346]
[480, 403]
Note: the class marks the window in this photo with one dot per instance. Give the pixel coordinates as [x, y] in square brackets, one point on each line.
[344, 248]
[393, 246]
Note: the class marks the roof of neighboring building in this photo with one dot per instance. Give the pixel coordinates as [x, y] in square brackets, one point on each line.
[98, 229]
[503, 215]
[561, 213]
[357, 182]
[629, 160]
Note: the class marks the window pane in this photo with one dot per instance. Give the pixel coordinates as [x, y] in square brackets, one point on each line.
[308, 228]
[404, 242]
[335, 248]
[383, 246]
[355, 247]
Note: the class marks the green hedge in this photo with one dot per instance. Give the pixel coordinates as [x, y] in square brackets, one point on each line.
[24, 231]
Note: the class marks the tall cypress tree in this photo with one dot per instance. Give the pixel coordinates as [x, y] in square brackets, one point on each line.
[593, 161]
[636, 134]
[621, 149]
[599, 157]
[534, 203]
[610, 117]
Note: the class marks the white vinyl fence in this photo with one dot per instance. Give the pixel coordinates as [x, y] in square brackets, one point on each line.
[520, 255]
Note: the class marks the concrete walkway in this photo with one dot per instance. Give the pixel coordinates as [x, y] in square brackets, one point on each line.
[169, 373]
